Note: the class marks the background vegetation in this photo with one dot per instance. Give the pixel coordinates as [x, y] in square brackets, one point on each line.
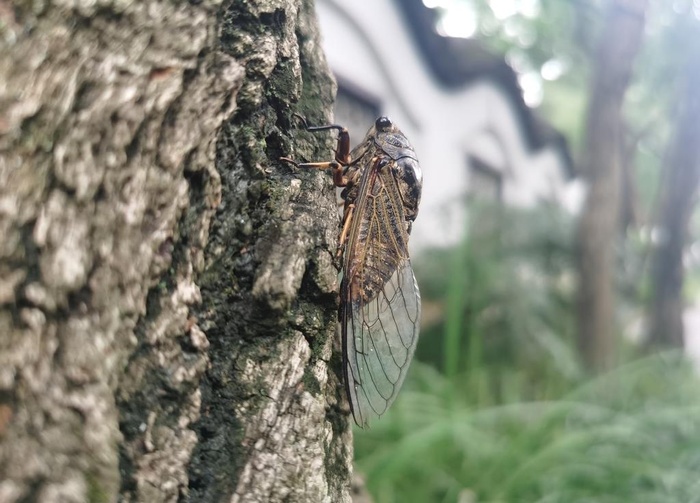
[501, 405]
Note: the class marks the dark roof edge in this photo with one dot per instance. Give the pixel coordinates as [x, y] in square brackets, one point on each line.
[456, 62]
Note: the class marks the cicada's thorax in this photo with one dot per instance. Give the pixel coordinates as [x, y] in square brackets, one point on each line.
[405, 168]
[388, 150]
[384, 187]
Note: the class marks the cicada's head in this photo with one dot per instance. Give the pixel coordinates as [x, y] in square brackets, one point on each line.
[389, 139]
[384, 125]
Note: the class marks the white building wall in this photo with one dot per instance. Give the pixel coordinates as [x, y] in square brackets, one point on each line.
[368, 46]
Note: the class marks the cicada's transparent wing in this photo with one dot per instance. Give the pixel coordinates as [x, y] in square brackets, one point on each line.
[379, 339]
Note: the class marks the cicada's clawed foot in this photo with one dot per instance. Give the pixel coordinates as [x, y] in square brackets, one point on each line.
[302, 119]
[290, 161]
[315, 165]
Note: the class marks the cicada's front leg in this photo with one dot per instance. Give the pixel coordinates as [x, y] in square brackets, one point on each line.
[342, 153]
[339, 179]
[338, 165]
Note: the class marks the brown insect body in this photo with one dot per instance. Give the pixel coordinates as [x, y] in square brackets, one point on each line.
[380, 302]
[385, 197]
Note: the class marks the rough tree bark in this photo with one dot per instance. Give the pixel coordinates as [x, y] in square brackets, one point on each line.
[682, 162]
[600, 167]
[167, 292]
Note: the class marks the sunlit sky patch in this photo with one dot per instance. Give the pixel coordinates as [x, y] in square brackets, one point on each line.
[460, 19]
[457, 18]
[503, 9]
[553, 69]
[531, 83]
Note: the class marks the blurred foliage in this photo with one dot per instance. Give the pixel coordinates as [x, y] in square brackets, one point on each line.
[551, 44]
[497, 408]
[632, 435]
[504, 295]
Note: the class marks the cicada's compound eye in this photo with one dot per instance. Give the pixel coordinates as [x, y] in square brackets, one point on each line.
[383, 123]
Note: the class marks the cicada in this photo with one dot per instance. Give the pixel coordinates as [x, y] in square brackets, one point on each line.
[380, 306]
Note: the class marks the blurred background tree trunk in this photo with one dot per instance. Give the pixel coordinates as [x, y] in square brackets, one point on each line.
[167, 292]
[682, 162]
[600, 166]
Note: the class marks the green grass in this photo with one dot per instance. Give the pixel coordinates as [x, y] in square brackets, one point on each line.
[632, 435]
[497, 408]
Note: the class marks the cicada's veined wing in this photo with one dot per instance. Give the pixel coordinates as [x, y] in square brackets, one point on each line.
[379, 338]
[380, 302]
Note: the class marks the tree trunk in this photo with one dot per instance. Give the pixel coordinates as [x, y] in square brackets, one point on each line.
[167, 290]
[678, 201]
[600, 167]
